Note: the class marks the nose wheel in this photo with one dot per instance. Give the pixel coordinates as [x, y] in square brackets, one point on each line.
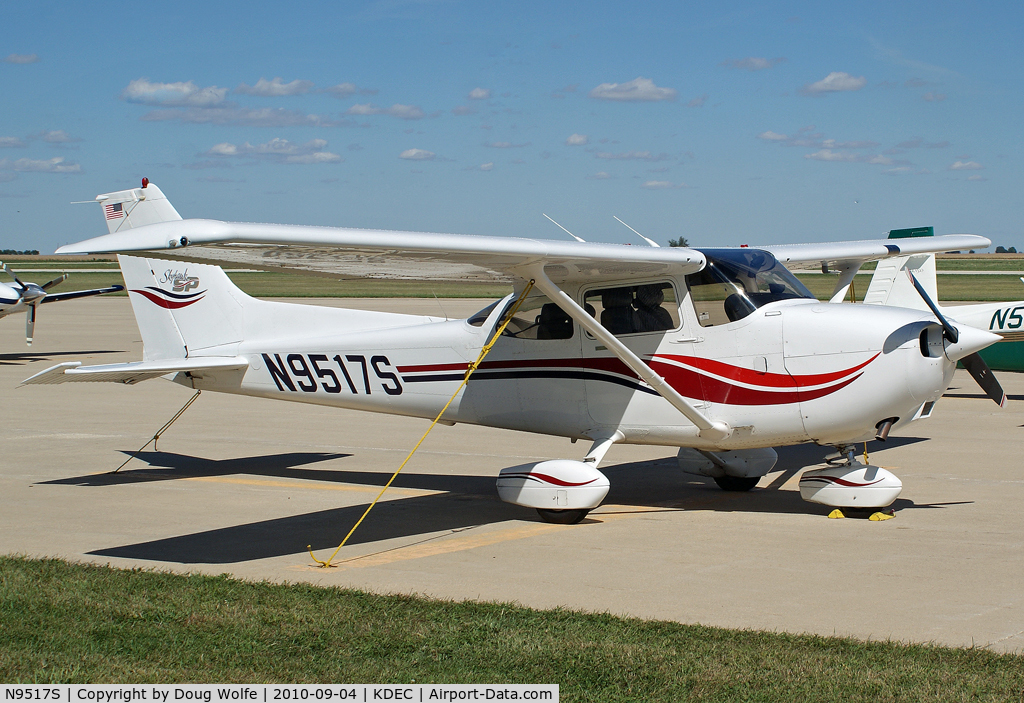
[562, 517]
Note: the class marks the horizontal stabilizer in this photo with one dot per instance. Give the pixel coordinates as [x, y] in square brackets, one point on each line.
[71, 295]
[132, 372]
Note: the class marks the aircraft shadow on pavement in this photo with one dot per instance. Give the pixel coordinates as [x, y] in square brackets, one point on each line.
[465, 501]
[23, 358]
[168, 466]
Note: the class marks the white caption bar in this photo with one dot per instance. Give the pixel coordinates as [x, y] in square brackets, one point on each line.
[276, 693]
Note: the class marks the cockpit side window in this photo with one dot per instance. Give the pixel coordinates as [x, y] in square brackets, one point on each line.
[539, 318]
[735, 282]
[649, 307]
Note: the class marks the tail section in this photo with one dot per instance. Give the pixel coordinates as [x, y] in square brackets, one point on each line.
[890, 284]
[137, 207]
[184, 309]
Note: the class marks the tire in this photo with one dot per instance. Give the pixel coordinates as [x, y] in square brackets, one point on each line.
[562, 517]
[736, 483]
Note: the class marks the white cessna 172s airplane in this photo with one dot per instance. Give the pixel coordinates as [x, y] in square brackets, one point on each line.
[28, 297]
[721, 353]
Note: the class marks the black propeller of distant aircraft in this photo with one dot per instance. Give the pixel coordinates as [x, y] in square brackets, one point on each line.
[974, 364]
[35, 295]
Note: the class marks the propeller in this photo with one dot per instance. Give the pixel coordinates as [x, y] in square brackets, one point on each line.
[30, 323]
[973, 362]
[50, 284]
[13, 275]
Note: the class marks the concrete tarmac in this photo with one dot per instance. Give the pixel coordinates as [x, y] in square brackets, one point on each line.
[241, 486]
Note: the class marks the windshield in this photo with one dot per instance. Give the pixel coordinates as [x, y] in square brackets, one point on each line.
[736, 282]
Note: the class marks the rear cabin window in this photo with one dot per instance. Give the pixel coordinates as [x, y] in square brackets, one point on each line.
[539, 318]
[650, 307]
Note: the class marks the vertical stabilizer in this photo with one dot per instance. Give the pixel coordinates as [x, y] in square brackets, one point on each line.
[137, 207]
[890, 284]
[183, 309]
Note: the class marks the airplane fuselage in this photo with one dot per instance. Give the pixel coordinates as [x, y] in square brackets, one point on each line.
[790, 372]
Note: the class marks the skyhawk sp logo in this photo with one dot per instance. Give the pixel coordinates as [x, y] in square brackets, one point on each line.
[180, 282]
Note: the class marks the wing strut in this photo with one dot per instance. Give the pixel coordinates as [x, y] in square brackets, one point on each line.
[713, 431]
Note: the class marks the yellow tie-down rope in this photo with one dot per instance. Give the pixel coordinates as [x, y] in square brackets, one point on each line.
[469, 371]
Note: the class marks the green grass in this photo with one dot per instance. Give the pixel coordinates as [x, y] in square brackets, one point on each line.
[76, 623]
[951, 287]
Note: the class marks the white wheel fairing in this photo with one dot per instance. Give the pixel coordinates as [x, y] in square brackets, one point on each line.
[559, 484]
[853, 486]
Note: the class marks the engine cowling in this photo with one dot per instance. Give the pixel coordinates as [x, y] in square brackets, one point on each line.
[558, 484]
[853, 486]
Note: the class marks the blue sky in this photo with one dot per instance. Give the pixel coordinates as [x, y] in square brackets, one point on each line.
[725, 123]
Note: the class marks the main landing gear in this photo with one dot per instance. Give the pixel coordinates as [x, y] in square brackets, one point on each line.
[736, 483]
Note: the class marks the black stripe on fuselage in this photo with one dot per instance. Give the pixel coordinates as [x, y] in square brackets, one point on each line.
[532, 373]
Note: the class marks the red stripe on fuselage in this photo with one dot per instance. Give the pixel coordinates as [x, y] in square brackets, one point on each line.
[690, 382]
[755, 378]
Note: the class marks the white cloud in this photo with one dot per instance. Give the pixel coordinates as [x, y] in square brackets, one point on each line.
[317, 157]
[54, 165]
[57, 136]
[479, 94]
[976, 177]
[343, 90]
[576, 140]
[662, 185]
[630, 156]
[829, 155]
[808, 138]
[933, 97]
[966, 166]
[21, 58]
[223, 149]
[405, 112]
[698, 101]
[179, 94]
[277, 150]
[898, 170]
[848, 157]
[275, 88]
[638, 89]
[462, 110]
[489, 166]
[600, 176]
[264, 117]
[753, 63]
[10, 142]
[417, 155]
[836, 81]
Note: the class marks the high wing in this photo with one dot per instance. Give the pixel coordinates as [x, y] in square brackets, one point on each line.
[71, 295]
[364, 253]
[846, 258]
[347, 253]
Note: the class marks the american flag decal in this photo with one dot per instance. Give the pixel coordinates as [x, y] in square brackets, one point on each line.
[113, 211]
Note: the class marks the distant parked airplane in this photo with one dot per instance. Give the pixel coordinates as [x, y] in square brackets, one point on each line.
[29, 296]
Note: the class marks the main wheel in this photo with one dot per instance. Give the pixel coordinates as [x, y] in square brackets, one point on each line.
[736, 483]
[562, 517]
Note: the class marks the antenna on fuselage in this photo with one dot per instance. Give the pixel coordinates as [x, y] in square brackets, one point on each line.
[578, 239]
[649, 241]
